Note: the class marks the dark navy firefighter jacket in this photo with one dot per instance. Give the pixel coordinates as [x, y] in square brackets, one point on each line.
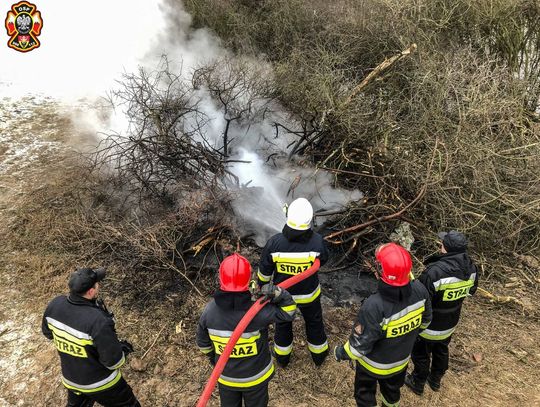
[250, 362]
[388, 324]
[449, 279]
[289, 253]
[85, 337]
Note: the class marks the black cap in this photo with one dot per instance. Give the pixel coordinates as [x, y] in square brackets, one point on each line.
[81, 280]
[453, 241]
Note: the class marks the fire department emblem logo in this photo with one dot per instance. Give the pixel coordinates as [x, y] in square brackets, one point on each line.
[24, 24]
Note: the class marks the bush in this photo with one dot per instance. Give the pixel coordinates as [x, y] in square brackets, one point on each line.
[466, 99]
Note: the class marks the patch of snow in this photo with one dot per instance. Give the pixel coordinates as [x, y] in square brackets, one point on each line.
[25, 135]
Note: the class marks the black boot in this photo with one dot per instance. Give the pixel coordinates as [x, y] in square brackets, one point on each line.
[415, 386]
[318, 358]
[434, 383]
[282, 360]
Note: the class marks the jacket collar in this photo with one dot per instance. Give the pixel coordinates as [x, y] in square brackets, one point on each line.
[293, 235]
[235, 301]
[79, 300]
[394, 294]
[441, 256]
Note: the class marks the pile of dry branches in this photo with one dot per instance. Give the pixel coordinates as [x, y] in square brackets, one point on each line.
[432, 115]
[443, 137]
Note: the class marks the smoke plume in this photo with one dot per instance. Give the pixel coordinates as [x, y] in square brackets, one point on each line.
[78, 65]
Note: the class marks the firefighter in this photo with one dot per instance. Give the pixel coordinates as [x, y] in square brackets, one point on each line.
[449, 277]
[386, 328]
[287, 254]
[250, 367]
[84, 334]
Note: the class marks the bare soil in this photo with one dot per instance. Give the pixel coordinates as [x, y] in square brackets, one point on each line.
[494, 354]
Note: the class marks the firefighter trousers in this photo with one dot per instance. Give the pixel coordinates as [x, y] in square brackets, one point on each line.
[120, 395]
[365, 388]
[430, 359]
[316, 336]
[256, 396]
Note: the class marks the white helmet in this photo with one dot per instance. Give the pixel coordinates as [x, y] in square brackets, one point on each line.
[299, 214]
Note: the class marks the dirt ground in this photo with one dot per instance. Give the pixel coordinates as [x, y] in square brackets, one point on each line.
[494, 354]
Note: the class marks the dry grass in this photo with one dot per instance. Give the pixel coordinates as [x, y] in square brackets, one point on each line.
[173, 372]
[160, 317]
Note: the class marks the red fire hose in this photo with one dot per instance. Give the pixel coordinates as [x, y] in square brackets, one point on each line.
[241, 327]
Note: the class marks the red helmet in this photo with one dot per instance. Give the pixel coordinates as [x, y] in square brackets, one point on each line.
[396, 264]
[234, 273]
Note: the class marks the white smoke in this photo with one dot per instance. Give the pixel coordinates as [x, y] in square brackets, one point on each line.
[268, 187]
[86, 46]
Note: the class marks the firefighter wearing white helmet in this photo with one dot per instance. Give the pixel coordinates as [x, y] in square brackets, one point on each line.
[299, 214]
[287, 254]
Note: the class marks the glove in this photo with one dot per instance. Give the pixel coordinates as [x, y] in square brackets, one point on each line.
[212, 358]
[127, 347]
[340, 354]
[271, 292]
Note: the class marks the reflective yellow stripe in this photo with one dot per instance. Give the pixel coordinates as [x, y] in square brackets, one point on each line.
[404, 318]
[349, 351]
[63, 334]
[296, 260]
[394, 367]
[437, 335]
[383, 372]
[119, 364]
[453, 282]
[434, 337]
[248, 383]
[300, 299]
[262, 277]
[94, 389]
[206, 350]
[283, 350]
[461, 284]
[318, 348]
[225, 340]
[294, 257]
[298, 226]
[387, 403]
[289, 308]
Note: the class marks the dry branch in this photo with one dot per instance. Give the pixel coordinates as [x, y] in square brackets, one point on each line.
[379, 219]
[379, 69]
[498, 299]
[395, 215]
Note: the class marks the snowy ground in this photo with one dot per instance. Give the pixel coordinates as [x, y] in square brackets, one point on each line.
[23, 139]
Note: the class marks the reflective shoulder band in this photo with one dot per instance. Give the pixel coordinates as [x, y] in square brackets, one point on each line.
[251, 381]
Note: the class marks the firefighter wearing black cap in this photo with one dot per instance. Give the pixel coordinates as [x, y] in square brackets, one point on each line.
[91, 355]
[287, 254]
[386, 328]
[250, 367]
[449, 277]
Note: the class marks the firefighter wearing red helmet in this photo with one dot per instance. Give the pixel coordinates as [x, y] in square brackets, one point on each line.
[250, 366]
[386, 328]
